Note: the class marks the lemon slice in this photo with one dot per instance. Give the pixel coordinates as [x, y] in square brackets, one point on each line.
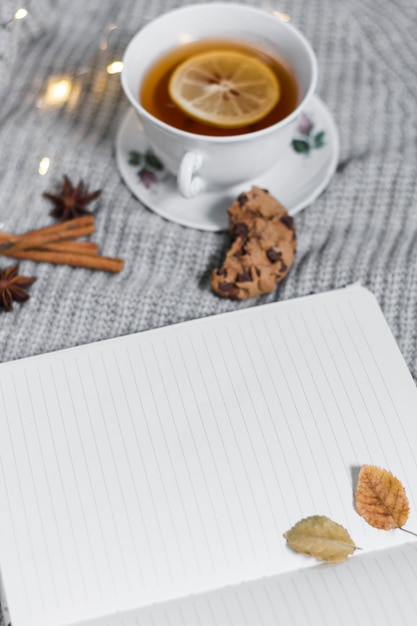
[224, 88]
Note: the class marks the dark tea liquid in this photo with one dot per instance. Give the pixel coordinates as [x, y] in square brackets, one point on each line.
[154, 96]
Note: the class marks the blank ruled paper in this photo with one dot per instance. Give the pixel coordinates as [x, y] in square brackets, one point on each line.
[140, 471]
[325, 595]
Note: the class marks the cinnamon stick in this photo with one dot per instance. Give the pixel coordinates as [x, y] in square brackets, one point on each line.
[67, 245]
[88, 261]
[67, 225]
[73, 247]
[56, 244]
[78, 227]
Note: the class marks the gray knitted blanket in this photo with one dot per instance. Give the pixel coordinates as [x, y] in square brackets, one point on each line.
[362, 229]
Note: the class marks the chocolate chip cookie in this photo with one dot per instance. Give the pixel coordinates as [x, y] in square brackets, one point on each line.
[262, 249]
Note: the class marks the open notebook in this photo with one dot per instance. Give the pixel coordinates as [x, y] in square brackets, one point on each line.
[148, 480]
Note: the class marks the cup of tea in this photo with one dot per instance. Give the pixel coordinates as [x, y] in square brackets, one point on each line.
[218, 88]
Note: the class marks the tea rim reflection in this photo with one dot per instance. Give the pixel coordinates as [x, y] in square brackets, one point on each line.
[228, 138]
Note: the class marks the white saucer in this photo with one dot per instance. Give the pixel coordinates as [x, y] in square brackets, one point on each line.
[296, 180]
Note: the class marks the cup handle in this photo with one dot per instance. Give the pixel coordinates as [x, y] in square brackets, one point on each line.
[189, 185]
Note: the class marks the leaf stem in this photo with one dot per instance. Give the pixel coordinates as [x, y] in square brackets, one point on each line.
[408, 531]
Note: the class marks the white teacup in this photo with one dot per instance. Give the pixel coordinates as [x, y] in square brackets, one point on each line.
[202, 161]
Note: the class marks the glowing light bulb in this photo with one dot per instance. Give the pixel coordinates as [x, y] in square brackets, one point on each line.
[115, 67]
[44, 164]
[57, 92]
[20, 14]
[60, 91]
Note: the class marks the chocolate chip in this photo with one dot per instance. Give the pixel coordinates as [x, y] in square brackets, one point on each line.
[288, 221]
[221, 272]
[265, 190]
[243, 277]
[227, 287]
[283, 267]
[242, 199]
[273, 254]
[240, 230]
[258, 271]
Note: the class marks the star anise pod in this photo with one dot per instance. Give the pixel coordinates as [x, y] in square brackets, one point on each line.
[12, 287]
[71, 202]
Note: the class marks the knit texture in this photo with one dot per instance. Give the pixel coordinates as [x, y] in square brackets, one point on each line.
[362, 229]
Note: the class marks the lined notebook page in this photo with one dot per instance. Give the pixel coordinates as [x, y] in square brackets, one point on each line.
[326, 595]
[171, 462]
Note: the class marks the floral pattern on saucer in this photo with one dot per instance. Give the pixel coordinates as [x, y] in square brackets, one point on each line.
[307, 140]
[151, 170]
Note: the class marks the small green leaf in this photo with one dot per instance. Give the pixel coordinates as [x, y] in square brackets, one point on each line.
[135, 158]
[301, 146]
[153, 161]
[319, 139]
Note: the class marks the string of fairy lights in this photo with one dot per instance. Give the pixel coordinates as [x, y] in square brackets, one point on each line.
[60, 90]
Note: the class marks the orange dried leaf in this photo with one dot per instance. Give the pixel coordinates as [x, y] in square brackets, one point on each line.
[381, 498]
[319, 536]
